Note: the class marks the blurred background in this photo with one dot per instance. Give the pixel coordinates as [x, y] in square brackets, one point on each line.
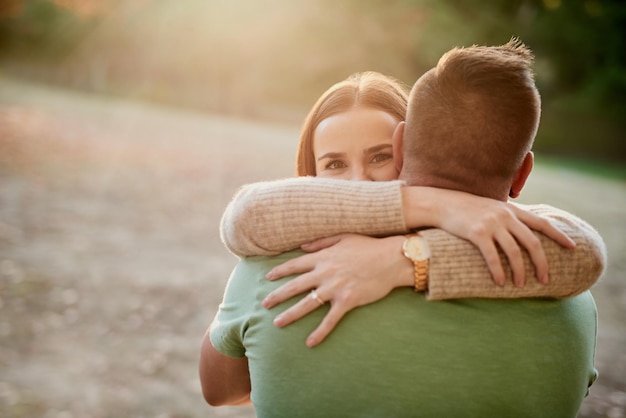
[126, 126]
[273, 58]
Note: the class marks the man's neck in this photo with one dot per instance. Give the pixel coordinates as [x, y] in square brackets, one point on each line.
[500, 194]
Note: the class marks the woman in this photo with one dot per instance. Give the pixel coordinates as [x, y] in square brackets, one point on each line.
[347, 135]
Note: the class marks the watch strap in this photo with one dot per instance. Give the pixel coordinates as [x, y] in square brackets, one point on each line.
[421, 275]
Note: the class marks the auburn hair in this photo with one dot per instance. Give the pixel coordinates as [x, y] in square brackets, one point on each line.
[367, 89]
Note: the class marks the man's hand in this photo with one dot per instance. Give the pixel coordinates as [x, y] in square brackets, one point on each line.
[347, 271]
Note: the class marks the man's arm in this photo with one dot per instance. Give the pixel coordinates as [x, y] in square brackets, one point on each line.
[225, 380]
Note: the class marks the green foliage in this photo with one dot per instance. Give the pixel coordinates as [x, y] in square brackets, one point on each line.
[245, 56]
[595, 167]
[582, 38]
[585, 89]
[42, 30]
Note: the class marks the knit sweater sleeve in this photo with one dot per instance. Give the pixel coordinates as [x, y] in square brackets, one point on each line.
[457, 269]
[269, 218]
[273, 217]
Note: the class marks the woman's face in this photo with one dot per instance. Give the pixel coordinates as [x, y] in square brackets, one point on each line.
[356, 145]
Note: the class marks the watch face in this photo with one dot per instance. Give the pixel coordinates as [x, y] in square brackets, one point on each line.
[416, 248]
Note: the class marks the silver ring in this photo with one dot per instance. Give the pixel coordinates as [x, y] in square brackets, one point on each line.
[316, 297]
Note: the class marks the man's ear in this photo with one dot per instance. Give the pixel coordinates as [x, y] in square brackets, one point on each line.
[397, 141]
[522, 175]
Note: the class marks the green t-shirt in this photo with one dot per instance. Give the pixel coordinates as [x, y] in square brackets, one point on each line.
[406, 357]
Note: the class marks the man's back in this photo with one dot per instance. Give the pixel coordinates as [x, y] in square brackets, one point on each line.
[403, 356]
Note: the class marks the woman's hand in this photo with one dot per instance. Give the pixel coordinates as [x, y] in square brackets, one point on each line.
[347, 271]
[487, 223]
[351, 270]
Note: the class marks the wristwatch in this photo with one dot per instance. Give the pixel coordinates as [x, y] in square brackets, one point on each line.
[415, 248]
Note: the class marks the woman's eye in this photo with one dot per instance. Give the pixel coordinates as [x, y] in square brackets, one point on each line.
[335, 165]
[379, 158]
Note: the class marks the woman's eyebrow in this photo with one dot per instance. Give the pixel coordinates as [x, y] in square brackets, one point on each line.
[377, 148]
[332, 155]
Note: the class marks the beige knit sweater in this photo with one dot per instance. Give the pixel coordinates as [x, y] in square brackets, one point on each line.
[272, 217]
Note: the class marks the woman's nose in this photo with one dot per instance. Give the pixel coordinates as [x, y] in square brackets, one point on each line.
[360, 174]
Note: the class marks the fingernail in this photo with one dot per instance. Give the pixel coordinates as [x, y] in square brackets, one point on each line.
[311, 342]
[278, 321]
[545, 279]
[265, 303]
[270, 274]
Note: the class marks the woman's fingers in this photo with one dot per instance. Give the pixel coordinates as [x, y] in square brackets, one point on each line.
[304, 307]
[514, 254]
[492, 258]
[329, 323]
[297, 265]
[294, 287]
[544, 226]
[554, 233]
[512, 230]
[532, 244]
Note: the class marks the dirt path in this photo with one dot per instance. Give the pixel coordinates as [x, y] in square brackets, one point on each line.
[111, 265]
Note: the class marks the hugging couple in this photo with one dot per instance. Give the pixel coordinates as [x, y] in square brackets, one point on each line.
[468, 305]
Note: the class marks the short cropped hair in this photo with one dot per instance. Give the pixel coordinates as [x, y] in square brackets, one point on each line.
[472, 119]
[368, 89]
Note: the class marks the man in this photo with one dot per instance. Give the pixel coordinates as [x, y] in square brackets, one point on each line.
[404, 356]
